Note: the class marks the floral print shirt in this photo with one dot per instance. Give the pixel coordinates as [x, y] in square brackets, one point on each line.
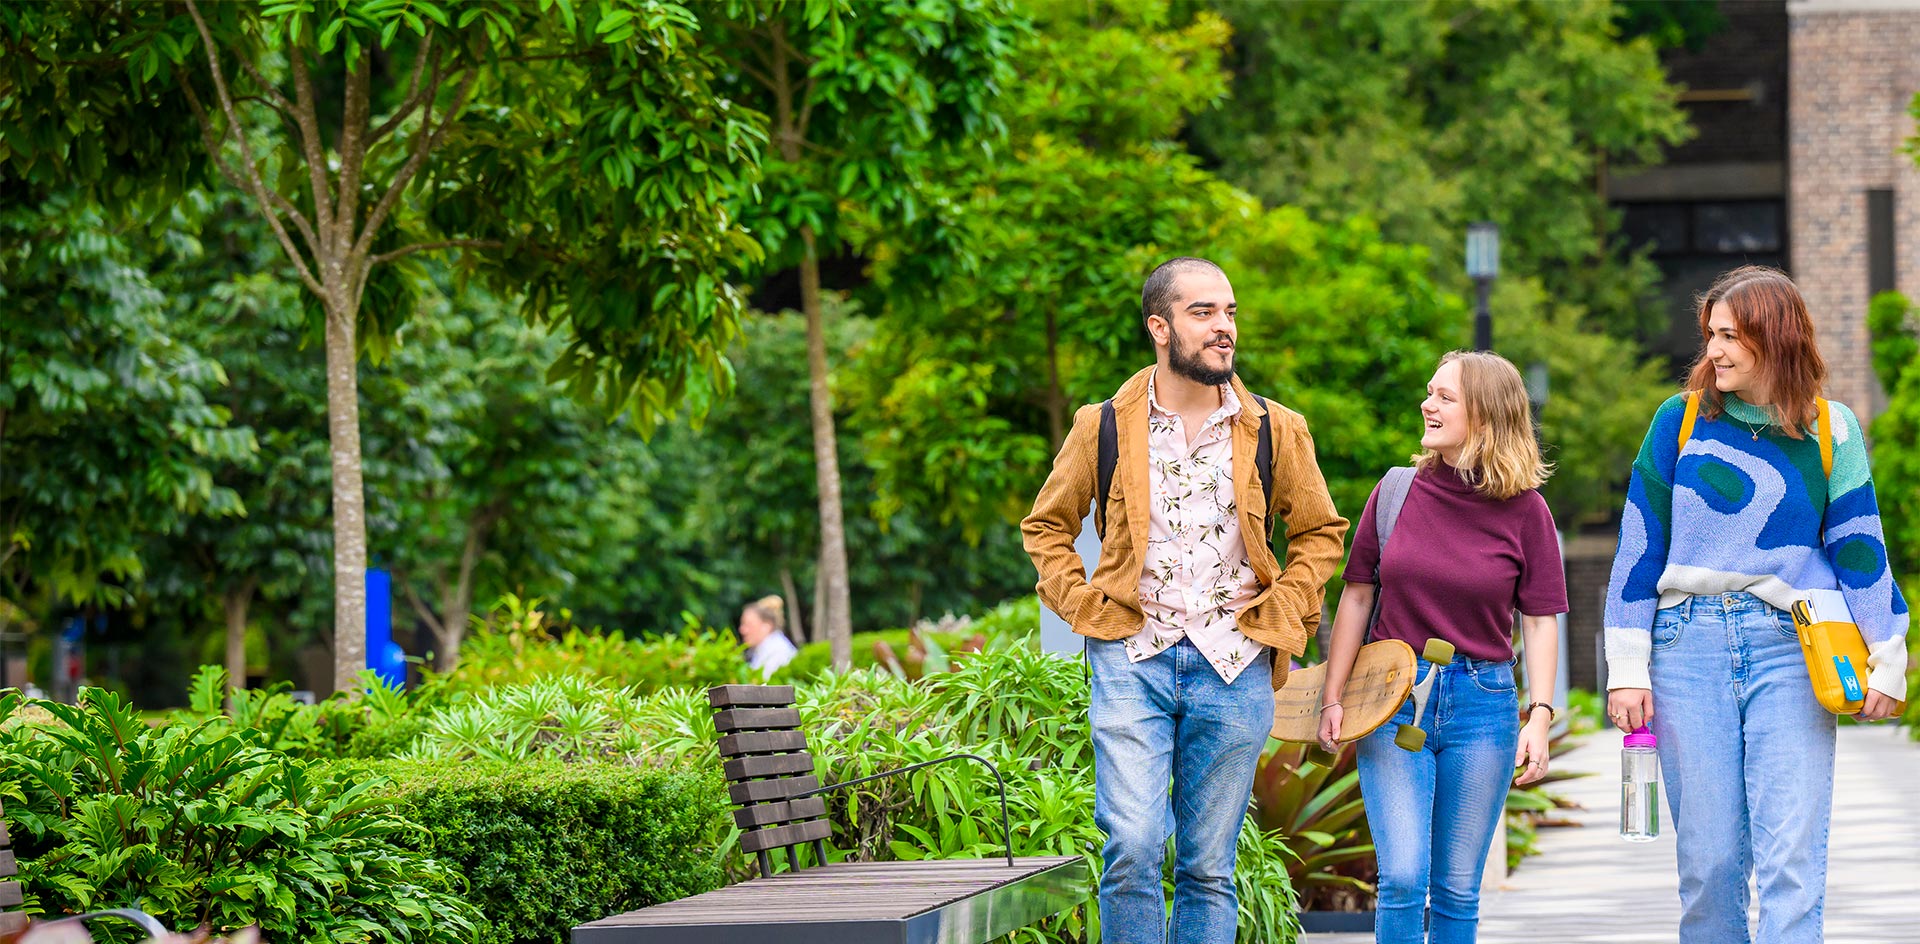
[1196, 575]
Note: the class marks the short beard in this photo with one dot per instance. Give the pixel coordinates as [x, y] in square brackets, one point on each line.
[1187, 364]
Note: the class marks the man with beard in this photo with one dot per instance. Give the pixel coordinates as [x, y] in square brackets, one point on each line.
[1189, 618]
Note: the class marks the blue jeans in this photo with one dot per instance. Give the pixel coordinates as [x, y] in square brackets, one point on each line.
[1746, 753]
[1433, 812]
[1170, 720]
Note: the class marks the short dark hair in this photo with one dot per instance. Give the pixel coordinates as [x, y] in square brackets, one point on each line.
[1156, 296]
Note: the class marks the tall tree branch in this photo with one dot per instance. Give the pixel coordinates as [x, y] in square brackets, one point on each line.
[476, 544]
[258, 188]
[426, 139]
[430, 246]
[806, 109]
[421, 609]
[273, 93]
[285, 115]
[207, 138]
[353, 149]
[314, 149]
[757, 75]
[265, 206]
[420, 66]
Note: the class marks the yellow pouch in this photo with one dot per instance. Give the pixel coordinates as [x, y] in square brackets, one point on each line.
[1837, 664]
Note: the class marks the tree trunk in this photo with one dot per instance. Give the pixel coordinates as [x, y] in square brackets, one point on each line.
[819, 600]
[834, 608]
[349, 499]
[235, 602]
[787, 590]
[451, 632]
[456, 605]
[826, 462]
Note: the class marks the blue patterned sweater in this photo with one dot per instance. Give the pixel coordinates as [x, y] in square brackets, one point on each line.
[1729, 513]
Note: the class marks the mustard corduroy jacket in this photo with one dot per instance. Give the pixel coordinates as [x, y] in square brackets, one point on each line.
[1107, 606]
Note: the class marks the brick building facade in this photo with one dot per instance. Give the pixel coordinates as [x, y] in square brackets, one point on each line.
[1854, 194]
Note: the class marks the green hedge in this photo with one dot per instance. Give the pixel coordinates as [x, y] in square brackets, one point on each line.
[545, 846]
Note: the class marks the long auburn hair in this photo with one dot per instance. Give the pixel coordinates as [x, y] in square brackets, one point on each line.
[1771, 320]
[1500, 458]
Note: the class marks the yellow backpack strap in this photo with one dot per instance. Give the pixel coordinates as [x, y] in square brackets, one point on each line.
[1826, 435]
[1686, 421]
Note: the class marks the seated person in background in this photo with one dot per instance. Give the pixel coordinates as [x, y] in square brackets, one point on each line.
[763, 628]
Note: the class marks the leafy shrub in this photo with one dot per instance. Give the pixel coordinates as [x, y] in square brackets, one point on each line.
[568, 718]
[815, 659]
[545, 846]
[376, 722]
[1016, 621]
[1013, 623]
[518, 642]
[198, 824]
[1317, 811]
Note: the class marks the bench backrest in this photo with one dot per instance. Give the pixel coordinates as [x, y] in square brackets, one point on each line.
[12, 919]
[767, 765]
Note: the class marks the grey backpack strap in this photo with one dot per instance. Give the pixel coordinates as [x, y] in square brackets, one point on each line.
[1386, 513]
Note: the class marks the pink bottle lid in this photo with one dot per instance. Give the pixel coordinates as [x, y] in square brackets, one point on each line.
[1641, 737]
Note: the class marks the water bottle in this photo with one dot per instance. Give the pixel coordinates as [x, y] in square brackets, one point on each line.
[1640, 786]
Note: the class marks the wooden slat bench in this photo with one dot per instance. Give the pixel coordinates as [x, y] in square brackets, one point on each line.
[12, 919]
[770, 772]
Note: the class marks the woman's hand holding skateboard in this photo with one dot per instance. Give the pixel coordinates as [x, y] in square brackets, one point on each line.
[1330, 717]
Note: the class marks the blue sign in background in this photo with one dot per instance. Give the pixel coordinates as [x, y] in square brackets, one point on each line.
[384, 656]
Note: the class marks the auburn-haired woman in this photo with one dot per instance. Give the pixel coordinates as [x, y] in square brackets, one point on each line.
[1473, 542]
[1731, 516]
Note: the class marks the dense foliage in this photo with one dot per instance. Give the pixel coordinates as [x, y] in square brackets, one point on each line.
[980, 221]
[1425, 117]
[199, 824]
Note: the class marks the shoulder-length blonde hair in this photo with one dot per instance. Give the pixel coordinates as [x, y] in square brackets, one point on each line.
[1500, 458]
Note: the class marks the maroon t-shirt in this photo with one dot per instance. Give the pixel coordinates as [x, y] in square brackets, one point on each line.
[1459, 563]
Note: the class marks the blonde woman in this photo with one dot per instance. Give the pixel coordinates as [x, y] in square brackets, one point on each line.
[763, 627]
[1474, 542]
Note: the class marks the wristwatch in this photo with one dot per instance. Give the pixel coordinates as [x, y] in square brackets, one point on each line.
[1551, 714]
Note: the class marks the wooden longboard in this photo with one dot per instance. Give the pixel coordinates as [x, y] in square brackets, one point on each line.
[1382, 677]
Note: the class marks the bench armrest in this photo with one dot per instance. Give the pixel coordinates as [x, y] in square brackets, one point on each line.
[1006, 831]
[146, 922]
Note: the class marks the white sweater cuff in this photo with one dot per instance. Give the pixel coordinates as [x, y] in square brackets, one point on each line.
[1889, 663]
[1629, 653]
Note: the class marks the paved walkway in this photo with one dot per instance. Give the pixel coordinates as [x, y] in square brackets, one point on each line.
[1589, 887]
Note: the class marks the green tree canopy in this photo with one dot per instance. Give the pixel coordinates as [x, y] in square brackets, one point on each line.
[112, 429]
[584, 156]
[1426, 116]
[864, 99]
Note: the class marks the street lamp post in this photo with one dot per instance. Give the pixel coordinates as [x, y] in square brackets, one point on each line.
[1536, 392]
[1483, 266]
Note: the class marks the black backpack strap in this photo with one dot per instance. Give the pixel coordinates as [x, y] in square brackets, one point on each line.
[1263, 459]
[1109, 456]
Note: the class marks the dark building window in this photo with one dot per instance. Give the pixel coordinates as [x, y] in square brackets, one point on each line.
[1693, 242]
[1879, 242]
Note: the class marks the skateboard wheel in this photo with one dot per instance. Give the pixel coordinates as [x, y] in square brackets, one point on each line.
[1410, 738]
[1438, 652]
[1320, 757]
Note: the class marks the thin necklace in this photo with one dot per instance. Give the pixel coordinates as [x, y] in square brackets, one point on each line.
[1743, 425]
